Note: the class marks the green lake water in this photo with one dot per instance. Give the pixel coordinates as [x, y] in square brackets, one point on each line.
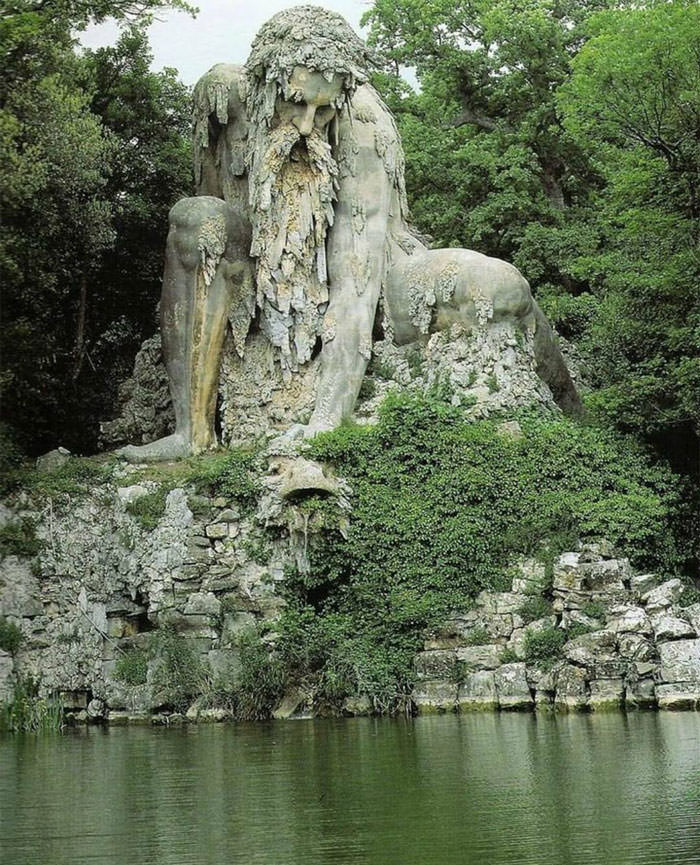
[484, 789]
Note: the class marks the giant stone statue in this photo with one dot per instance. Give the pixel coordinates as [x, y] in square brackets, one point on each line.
[296, 248]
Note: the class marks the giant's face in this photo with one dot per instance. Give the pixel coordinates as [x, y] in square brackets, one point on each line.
[310, 102]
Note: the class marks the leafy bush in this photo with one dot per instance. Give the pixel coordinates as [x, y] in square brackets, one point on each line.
[11, 457]
[231, 475]
[478, 636]
[10, 636]
[27, 712]
[18, 538]
[509, 656]
[594, 609]
[74, 478]
[260, 683]
[577, 629]
[178, 675]
[132, 667]
[440, 506]
[543, 648]
[535, 607]
[148, 509]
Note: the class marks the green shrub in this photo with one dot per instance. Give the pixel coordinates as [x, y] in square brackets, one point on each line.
[73, 479]
[148, 509]
[690, 595]
[543, 648]
[594, 609]
[577, 629]
[10, 636]
[18, 538]
[231, 475]
[440, 506]
[478, 636]
[260, 683]
[509, 656]
[178, 674]
[27, 712]
[368, 389]
[11, 458]
[132, 667]
[535, 607]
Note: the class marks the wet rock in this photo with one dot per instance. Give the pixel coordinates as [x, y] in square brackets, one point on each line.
[606, 694]
[357, 706]
[512, 687]
[435, 695]
[295, 704]
[478, 692]
[680, 695]
[572, 688]
[640, 694]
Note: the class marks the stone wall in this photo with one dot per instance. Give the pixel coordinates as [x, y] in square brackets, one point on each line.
[624, 642]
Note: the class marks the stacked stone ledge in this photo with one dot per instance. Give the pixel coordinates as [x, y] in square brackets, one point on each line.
[640, 650]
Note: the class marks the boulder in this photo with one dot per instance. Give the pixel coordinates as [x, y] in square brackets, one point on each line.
[435, 695]
[478, 692]
[531, 577]
[436, 664]
[640, 694]
[605, 694]
[679, 695]
[662, 596]
[202, 604]
[357, 706]
[512, 687]
[606, 577]
[668, 627]
[627, 618]
[295, 704]
[572, 688]
[53, 460]
[634, 647]
[643, 583]
[480, 657]
[692, 614]
[590, 649]
[680, 661]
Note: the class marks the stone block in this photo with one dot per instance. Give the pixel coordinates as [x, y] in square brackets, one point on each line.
[606, 577]
[590, 649]
[512, 688]
[53, 460]
[628, 618]
[234, 625]
[663, 596]
[640, 584]
[640, 694]
[680, 661]
[678, 696]
[436, 695]
[571, 689]
[480, 657]
[606, 694]
[635, 647]
[692, 614]
[203, 604]
[478, 692]
[436, 664]
[7, 666]
[225, 666]
[217, 531]
[668, 627]
[229, 515]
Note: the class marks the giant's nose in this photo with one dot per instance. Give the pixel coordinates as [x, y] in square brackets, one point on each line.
[305, 122]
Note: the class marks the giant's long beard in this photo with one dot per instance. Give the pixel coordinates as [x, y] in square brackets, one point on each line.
[292, 189]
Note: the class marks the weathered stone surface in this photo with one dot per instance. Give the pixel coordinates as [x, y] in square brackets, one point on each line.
[480, 657]
[692, 614]
[519, 636]
[640, 694]
[357, 706]
[512, 688]
[668, 627]
[53, 460]
[640, 584]
[662, 596]
[478, 691]
[572, 688]
[679, 695]
[605, 694]
[127, 495]
[202, 604]
[436, 695]
[607, 576]
[626, 618]
[6, 676]
[225, 666]
[217, 531]
[680, 661]
[436, 664]
[634, 647]
[591, 649]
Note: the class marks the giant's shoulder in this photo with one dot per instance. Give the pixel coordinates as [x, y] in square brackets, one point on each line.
[220, 91]
[367, 106]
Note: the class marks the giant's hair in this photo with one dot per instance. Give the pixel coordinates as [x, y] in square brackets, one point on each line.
[309, 36]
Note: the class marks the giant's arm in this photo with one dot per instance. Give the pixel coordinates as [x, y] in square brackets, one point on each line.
[356, 250]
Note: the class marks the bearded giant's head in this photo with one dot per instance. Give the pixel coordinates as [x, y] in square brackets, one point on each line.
[304, 66]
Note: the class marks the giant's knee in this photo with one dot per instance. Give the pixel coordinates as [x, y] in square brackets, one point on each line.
[512, 297]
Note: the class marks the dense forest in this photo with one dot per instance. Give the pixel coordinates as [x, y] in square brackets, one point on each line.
[562, 135]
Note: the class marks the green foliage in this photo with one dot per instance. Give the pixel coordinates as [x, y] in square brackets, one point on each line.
[18, 538]
[543, 648]
[260, 684]
[11, 457]
[148, 509]
[440, 506]
[535, 607]
[132, 667]
[10, 636]
[231, 475]
[27, 712]
[577, 629]
[178, 674]
[690, 595]
[478, 636]
[76, 477]
[509, 656]
[594, 609]
[367, 390]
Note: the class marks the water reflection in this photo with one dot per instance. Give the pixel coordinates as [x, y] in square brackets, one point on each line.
[608, 789]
